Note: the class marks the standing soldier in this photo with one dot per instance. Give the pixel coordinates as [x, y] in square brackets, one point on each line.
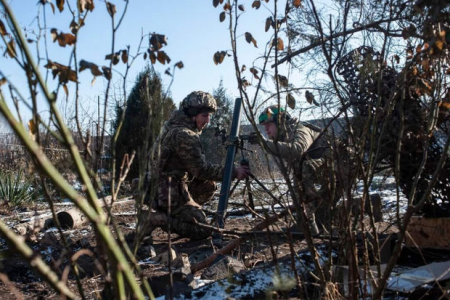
[184, 172]
[303, 149]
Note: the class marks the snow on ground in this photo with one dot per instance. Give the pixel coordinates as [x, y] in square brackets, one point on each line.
[382, 185]
[386, 188]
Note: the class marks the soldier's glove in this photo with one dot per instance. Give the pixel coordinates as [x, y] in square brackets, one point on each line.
[253, 138]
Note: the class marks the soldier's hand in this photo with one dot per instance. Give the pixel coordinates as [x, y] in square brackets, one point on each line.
[242, 172]
[253, 138]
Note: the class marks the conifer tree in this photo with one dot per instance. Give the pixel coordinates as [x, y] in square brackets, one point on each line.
[146, 110]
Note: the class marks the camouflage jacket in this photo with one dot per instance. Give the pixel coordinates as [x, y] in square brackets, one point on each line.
[182, 159]
[298, 141]
[182, 153]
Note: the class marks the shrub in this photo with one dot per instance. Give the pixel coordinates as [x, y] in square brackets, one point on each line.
[17, 189]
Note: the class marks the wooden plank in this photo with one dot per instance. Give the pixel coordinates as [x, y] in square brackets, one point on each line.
[428, 233]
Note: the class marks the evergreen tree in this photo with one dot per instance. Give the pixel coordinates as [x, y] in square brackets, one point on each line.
[146, 110]
[215, 152]
[224, 112]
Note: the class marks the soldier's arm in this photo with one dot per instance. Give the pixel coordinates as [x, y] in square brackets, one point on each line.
[301, 141]
[190, 150]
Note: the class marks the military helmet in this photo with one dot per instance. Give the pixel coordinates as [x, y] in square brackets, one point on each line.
[270, 114]
[198, 102]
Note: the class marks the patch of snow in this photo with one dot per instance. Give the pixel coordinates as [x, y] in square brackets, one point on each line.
[201, 282]
[47, 254]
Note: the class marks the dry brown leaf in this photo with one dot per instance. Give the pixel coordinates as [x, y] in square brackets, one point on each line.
[254, 72]
[111, 8]
[93, 67]
[249, 38]
[426, 65]
[440, 41]
[152, 57]
[310, 98]
[145, 55]
[425, 86]
[32, 126]
[66, 90]
[280, 44]
[227, 6]
[66, 39]
[157, 41]
[290, 101]
[222, 16]
[445, 104]
[52, 6]
[241, 7]
[115, 57]
[162, 57]
[107, 72]
[86, 5]
[54, 34]
[3, 31]
[64, 73]
[60, 4]
[219, 57]
[179, 65]
[245, 83]
[74, 27]
[397, 59]
[124, 56]
[256, 4]
[215, 3]
[62, 38]
[11, 48]
[439, 45]
[3, 81]
[297, 3]
[284, 82]
[409, 53]
[269, 22]
[418, 49]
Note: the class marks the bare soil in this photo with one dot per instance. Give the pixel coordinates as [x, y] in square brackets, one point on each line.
[20, 282]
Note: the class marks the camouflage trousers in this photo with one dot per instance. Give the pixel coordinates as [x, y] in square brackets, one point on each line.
[312, 188]
[185, 215]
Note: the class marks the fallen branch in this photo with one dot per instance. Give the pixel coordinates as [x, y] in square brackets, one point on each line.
[234, 243]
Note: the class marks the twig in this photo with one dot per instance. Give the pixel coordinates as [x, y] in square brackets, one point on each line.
[234, 243]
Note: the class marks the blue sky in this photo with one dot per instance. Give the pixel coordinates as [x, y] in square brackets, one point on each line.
[192, 27]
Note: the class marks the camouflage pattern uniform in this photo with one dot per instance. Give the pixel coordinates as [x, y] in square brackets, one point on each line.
[305, 153]
[192, 177]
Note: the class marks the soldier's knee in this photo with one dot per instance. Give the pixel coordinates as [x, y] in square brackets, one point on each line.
[190, 230]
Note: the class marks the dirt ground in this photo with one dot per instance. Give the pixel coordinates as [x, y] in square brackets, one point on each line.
[20, 282]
